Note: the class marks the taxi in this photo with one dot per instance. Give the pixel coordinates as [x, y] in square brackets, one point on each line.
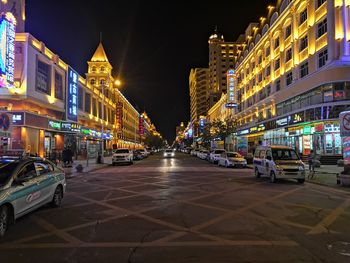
[27, 184]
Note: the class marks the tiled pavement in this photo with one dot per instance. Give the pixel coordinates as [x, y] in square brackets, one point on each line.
[184, 210]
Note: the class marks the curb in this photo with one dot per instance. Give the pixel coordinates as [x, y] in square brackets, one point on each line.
[75, 174]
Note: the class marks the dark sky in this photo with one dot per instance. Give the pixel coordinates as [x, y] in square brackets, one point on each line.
[152, 46]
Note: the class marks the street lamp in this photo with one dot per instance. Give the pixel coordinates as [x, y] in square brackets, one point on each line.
[118, 83]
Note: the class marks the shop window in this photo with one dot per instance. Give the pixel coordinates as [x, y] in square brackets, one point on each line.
[310, 115]
[328, 93]
[295, 104]
[318, 113]
[316, 97]
[287, 107]
[305, 100]
[339, 91]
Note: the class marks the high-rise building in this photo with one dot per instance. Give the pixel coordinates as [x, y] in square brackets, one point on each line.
[293, 77]
[198, 82]
[222, 57]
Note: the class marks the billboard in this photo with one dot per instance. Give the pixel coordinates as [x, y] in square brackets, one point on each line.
[231, 92]
[141, 125]
[7, 50]
[119, 116]
[72, 95]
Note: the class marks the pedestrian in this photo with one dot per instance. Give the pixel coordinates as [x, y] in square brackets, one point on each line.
[53, 156]
[70, 157]
[311, 160]
[65, 157]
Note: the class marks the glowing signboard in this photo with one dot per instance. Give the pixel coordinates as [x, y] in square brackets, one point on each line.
[7, 49]
[72, 96]
[231, 97]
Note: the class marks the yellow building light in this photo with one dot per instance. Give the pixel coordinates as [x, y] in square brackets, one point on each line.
[51, 99]
[338, 3]
[48, 53]
[36, 44]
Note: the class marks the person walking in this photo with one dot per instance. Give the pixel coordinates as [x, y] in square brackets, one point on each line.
[311, 160]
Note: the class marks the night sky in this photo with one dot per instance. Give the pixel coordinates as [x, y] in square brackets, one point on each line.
[151, 46]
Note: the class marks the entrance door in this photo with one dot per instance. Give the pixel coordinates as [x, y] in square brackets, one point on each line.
[47, 145]
[329, 144]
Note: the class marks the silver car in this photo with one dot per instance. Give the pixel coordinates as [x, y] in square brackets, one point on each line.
[232, 159]
[27, 184]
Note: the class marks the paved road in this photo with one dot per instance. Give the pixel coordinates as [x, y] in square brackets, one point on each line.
[184, 210]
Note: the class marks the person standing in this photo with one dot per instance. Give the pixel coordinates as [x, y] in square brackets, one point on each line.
[311, 160]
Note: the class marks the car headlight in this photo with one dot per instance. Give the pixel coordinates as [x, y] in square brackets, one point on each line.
[173, 154]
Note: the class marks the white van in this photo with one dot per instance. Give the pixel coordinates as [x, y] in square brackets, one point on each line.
[278, 162]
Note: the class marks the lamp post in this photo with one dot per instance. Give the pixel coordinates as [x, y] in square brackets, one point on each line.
[103, 117]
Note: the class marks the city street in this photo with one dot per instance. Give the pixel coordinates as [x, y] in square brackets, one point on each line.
[183, 209]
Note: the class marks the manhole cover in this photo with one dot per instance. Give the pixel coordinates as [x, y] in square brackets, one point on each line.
[339, 247]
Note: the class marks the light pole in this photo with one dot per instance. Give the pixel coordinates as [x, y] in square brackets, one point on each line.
[103, 118]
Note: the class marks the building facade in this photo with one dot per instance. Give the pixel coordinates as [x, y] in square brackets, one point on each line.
[198, 83]
[54, 107]
[293, 76]
[222, 57]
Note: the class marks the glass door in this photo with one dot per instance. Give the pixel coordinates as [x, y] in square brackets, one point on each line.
[329, 144]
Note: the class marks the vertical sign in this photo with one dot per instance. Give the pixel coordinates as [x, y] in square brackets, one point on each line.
[141, 126]
[72, 96]
[7, 49]
[119, 116]
[231, 96]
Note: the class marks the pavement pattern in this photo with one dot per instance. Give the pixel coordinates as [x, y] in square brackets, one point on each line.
[184, 210]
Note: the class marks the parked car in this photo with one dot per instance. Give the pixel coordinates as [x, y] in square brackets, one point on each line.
[169, 153]
[137, 155]
[144, 153]
[203, 154]
[194, 152]
[232, 159]
[27, 184]
[215, 155]
[122, 156]
[278, 162]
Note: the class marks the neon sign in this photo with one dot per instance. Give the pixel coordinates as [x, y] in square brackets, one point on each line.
[231, 98]
[7, 49]
[72, 103]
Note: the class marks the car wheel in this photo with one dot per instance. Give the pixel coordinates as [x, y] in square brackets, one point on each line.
[257, 174]
[57, 197]
[273, 178]
[4, 220]
[301, 181]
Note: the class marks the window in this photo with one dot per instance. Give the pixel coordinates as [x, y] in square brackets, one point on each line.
[322, 58]
[328, 93]
[80, 98]
[322, 28]
[303, 16]
[58, 86]
[43, 79]
[87, 103]
[304, 69]
[289, 54]
[268, 71]
[260, 77]
[288, 31]
[100, 110]
[94, 107]
[268, 90]
[267, 52]
[319, 3]
[93, 82]
[303, 43]
[278, 85]
[277, 64]
[289, 78]
[260, 59]
[102, 82]
[43, 168]
[277, 42]
[93, 69]
[27, 172]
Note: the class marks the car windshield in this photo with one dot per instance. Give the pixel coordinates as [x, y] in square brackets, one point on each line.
[7, 167]
[219, 151]
[121, 151]
[168, 151]
[284, 154]
[233, 155]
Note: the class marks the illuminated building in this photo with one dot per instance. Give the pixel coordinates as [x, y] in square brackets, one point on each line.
[47, 115]
[17, 8]
[222, 57]
[198, 82]
[293, 77]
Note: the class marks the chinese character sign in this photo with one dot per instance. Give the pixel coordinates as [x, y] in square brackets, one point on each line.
[7, 50]
[231, 98]
[141, 126]
[119, 116]
[72, 96]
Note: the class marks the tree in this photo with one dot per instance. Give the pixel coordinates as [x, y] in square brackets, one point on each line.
[222, 129]
[154, 141]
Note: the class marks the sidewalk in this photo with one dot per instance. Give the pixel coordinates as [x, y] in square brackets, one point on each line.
[91, 166]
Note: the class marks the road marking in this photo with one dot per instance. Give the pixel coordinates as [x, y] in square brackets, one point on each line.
[322, 227]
